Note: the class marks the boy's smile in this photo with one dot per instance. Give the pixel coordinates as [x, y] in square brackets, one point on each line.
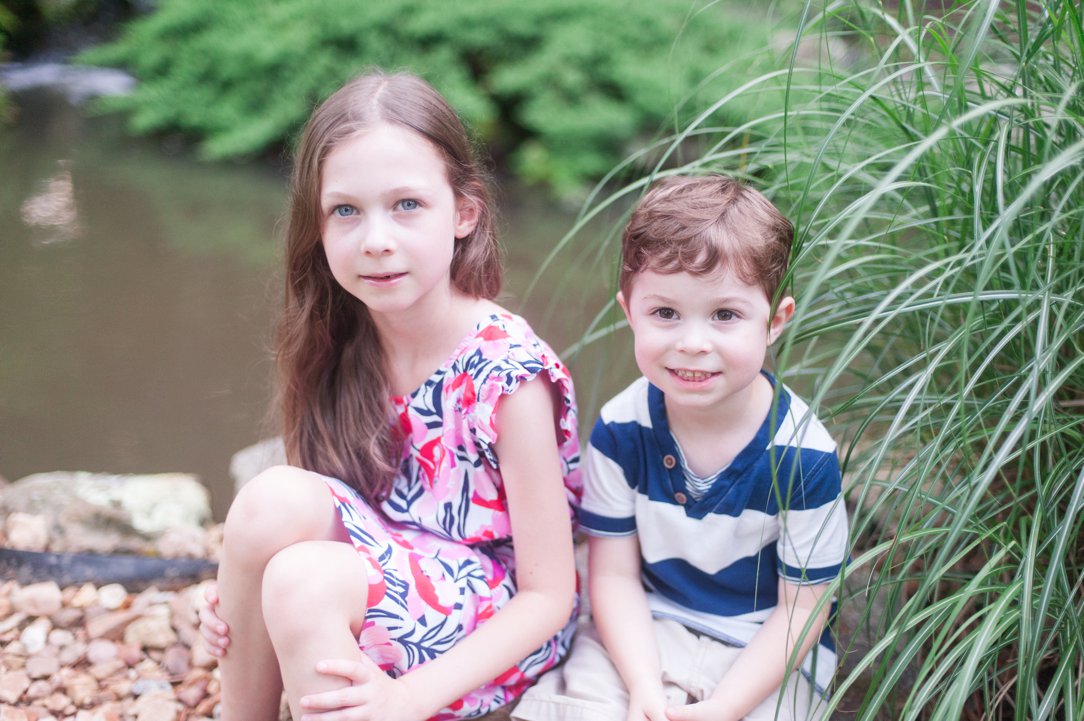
[702, 340]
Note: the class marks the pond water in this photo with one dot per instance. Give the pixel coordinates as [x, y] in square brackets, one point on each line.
[138, 290]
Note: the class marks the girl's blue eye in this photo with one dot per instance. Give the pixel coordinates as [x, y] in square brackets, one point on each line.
[408, 204]
[343, 211]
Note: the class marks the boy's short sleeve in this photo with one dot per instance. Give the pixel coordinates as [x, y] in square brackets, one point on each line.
[609, 503]
[812, 545]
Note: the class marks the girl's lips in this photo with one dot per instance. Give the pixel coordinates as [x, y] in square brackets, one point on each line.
[382, 278]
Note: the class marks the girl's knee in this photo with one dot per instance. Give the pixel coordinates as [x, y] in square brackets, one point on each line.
[280, 506]
[327, 579]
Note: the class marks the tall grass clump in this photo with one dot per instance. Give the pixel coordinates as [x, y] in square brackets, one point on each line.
[932, 158]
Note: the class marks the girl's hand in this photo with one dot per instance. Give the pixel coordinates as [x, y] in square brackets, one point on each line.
[371, 695]
[215, 632]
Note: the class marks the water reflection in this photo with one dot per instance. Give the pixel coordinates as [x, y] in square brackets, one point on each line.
[53, 209]
[138, 289]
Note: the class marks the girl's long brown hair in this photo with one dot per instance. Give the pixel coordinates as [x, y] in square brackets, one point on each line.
[334, 395]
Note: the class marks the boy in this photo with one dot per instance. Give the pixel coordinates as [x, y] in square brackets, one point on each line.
[712, 495]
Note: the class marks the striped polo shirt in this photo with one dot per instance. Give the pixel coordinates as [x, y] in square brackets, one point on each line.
[713, 563]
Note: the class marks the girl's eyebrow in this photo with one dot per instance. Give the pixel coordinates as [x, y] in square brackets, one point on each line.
[414, 189]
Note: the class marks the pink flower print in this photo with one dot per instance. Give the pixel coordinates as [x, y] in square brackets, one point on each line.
[430, 458]
[467, 396]
[375, 641]
[377, 587]
[495, 504]
[430, 592]
[492, 333]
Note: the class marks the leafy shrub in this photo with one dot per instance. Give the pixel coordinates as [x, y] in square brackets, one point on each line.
[566, 87]
[935, 168]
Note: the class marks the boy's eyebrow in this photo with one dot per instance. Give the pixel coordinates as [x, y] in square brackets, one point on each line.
[719, 300]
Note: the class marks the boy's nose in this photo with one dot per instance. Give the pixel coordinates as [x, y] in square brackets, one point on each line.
[693, 340]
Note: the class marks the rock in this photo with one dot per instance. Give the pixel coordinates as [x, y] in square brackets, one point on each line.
[100, 651]
[145, 686]
[41, 666]
[150, 632]
[82, 688]
[86, 596]
[176, 661]
[38, 690]
[112, 596]
[110, 625]
[72, 653]
[78, 84]
[194, 688]
[35, 636]
[13, 684]
[157, 706]
[248, 462]
[38, 599]
[104, 513]
[9, 713]
[26, 532]
[182, 542]
[60, 637]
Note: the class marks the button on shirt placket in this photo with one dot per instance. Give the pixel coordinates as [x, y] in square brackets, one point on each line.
[670, 462]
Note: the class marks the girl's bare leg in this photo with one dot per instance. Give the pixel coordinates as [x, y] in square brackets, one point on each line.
[278, 508]
[314, 603]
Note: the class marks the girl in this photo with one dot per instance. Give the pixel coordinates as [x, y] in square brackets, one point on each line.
[417, 562]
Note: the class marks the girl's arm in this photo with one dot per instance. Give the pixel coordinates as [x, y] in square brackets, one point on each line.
[620, 611]
[545, 577]
[763, 665]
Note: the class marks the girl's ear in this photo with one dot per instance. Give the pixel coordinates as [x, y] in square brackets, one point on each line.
[783, 312]
[466, 217]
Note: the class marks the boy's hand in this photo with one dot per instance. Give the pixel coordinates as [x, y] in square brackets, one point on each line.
[651, 706]
[372, 694]
[711, 709]
[215, 632]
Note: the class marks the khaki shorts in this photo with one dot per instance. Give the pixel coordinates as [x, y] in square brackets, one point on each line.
[587, 687]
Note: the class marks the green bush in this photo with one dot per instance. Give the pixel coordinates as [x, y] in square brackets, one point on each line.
[934, 165]
[564, 87]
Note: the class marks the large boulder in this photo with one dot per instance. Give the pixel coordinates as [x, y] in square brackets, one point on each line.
[107, 513]
[249, 462]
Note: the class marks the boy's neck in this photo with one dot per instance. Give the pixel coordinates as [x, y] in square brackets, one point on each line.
[711, 437]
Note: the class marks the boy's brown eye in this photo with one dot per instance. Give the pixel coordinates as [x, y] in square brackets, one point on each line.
[724, 315]
[666, 313]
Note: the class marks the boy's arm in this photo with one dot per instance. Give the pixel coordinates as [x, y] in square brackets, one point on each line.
[620, 611]
[765, 663]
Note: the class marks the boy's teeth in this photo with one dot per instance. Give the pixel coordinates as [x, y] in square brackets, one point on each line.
[692, 375]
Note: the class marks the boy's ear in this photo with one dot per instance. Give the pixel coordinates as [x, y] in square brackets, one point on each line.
[624, 305]
[783, 312]
[466, 217]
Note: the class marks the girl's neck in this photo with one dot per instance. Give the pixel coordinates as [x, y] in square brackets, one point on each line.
[417, 344]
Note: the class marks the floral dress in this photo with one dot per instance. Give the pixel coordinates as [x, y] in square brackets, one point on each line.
[444, 563]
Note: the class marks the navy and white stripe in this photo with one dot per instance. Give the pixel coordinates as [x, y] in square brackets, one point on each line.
[713, 563]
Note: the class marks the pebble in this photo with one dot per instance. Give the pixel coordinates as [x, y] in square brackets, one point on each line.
[87, 653]
[112, 596]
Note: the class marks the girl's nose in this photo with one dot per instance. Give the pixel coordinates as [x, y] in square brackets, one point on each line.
[376, 240]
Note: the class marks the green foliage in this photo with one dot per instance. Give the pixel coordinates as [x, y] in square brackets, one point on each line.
[25, 25]
[935, 168]
[566, 87]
